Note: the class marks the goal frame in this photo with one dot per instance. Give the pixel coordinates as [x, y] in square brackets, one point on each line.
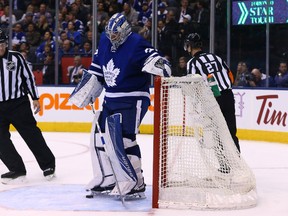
[162, 139]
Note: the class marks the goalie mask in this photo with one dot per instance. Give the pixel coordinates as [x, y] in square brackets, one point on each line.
[117, 30]
[194, 40]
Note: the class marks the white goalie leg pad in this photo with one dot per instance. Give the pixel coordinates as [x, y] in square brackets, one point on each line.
[157, 65]
[87, 90]
[102, 171]
[124, 172]
[135, 161]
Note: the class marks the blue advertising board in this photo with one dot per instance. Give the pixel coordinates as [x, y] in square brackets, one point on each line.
[253, 12]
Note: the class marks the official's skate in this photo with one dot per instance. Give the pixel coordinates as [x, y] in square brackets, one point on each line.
[12, 177]
[49, 174]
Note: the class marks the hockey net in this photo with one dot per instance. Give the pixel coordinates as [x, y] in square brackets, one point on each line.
[196, 164]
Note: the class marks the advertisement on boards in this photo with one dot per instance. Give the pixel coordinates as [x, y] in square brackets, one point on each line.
[255, 109]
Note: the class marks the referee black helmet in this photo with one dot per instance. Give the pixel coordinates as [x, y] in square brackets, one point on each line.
[194, 40]
[3, 36]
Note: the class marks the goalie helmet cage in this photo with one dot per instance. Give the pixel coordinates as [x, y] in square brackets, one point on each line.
[196, 164]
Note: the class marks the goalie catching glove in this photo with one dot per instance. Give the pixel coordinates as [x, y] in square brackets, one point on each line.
[157, 65]
[87, 90]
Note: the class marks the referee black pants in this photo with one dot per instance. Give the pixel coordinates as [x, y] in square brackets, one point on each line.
[227, 105]
[18, 113]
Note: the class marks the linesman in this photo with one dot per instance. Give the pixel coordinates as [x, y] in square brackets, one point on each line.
[207, 63]
[16, 82]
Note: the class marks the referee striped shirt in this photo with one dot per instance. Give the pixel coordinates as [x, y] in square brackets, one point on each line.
[16, 78]
[206, 63]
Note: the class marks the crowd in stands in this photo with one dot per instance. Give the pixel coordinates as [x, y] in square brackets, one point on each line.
[256, 78]
[34, 26]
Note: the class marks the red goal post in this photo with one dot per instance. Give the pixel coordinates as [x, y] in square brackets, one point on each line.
[196, 164]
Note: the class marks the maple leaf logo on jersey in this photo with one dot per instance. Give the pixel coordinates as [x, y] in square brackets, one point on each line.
[111, 73]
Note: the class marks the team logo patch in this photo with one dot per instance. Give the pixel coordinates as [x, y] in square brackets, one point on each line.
[159, 64]
[10, 65]
[111, 73]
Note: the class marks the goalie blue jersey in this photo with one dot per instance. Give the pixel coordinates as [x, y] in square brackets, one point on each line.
[120, 71]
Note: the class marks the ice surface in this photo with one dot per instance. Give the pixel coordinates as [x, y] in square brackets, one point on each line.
[65, 195]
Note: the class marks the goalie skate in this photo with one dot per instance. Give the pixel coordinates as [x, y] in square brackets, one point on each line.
[135, 194]
[100, 191]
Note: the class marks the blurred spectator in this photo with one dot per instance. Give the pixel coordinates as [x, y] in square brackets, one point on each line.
[171, 31]
[258, 79]
[43, 12]
[89, 36]
[64, 4]
[24, 54]
[29, 10]
[102, 15]
[144, 14]
[136, 4]
[181, 69]
[42, 56]
[61, 19]
[47, 40]
[185, 28]
[281, 78]
[113, 8]
[86, 50]
[73, 71]
[18, 8]
[89, 26]
[131, 14]
[81, 12]
[64, 11]
[202, 19]
[33, 37]
[18, 36]
[63, 37]
[241, 74]
[162, 12]
[78, 24]
[49, 69]
[74, 36]
[184, 10]
[6, 20]
[164, 39]
[146, 30]
[26, 21]
[66, 49]
[30, 56]
[43, 25]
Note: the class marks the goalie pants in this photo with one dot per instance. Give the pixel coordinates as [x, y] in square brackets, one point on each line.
[226, 102]
[133, 111]
[18, 113]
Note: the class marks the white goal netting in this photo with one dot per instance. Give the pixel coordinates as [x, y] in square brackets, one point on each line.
[199, 165]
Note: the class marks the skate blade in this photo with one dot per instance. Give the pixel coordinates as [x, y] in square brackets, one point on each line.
[135, 196]
[50, 177]
[19, 180]
[94, 194]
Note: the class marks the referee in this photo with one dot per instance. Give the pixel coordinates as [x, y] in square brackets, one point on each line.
[207, 63]
[16, 82]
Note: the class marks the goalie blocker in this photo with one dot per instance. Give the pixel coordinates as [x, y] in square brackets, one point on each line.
[86, 91]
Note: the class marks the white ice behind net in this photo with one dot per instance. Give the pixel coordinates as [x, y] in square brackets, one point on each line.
[200, 167]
